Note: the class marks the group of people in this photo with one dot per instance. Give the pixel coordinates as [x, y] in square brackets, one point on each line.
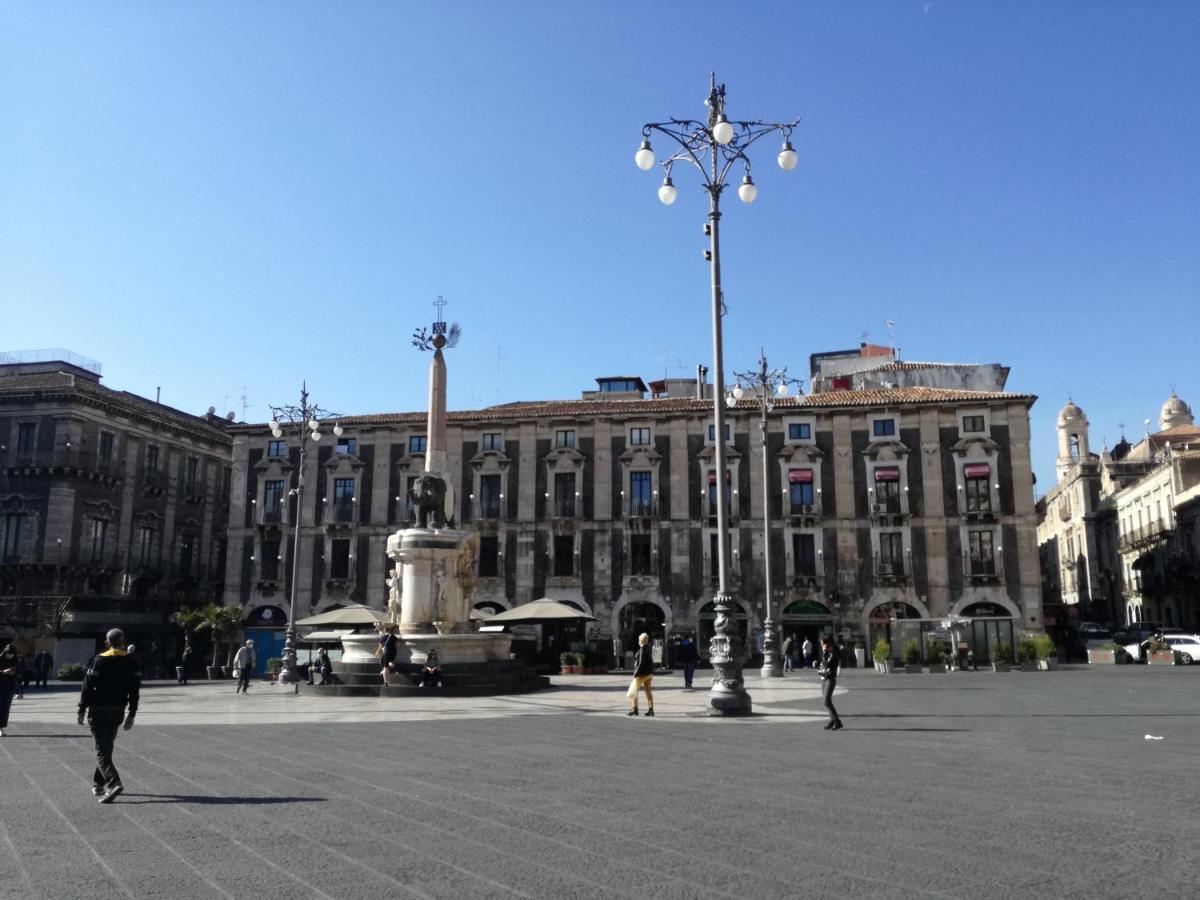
[430, 675]
[789, 653]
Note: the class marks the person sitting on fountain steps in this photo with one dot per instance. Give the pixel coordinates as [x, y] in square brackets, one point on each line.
[643, 674]
[431, 673]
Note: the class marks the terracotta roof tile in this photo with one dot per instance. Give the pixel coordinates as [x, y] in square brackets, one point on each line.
[580, 409]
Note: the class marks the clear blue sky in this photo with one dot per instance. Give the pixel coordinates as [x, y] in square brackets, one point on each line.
[206, 196]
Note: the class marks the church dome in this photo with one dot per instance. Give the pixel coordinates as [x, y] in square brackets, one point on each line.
[1121, 450]
[1070, 413]
[1175, 412]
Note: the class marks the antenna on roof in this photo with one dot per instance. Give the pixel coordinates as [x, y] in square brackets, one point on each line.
[245, 403]
[891, 337]
[500, 357]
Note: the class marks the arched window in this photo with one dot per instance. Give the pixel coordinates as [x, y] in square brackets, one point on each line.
[1074, 446]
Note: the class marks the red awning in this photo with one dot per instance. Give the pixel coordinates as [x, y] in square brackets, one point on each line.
[800, 476]
[887, 473]
[977, 470]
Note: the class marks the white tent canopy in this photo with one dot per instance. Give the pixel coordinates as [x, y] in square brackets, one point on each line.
[544, 610]
[354, 614]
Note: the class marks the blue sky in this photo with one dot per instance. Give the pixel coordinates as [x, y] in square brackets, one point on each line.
[208, 197]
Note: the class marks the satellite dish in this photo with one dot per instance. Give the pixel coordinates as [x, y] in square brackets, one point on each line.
[212, 410]
[229, 416]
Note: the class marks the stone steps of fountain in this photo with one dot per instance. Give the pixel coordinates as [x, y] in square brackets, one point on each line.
[450, 688]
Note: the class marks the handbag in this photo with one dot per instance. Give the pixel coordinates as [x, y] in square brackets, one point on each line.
[237, 673]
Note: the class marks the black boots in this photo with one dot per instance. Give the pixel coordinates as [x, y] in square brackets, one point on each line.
[632, 712]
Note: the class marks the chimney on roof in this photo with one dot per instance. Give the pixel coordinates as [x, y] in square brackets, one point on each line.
[701, 380]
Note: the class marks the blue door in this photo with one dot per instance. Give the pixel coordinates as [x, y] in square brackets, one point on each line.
[268, 642]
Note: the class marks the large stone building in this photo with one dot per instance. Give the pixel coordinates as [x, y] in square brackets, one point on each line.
[891, 507]
[1107, 533]
[112, 509]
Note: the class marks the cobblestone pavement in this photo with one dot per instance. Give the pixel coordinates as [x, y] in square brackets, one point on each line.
[973, 785]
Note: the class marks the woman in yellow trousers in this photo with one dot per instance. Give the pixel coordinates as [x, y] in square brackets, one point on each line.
[643, 674]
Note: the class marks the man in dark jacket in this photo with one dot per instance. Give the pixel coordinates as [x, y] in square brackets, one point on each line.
[42, 664]
[112, 683]
[688, 656]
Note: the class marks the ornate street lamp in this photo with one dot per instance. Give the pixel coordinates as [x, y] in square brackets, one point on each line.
[304, 423]
[713, 147]
[766, 384]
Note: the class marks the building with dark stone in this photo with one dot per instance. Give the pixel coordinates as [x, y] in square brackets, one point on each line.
[891, 508]
[113, 509]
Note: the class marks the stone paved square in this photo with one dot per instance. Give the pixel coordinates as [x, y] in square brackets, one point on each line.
[972, 785]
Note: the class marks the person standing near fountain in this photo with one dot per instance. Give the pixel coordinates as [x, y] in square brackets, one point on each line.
[386, 651]
[643, 674]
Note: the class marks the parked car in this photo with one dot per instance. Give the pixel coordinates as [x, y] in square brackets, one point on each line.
[1187, 646]
[1092, 635]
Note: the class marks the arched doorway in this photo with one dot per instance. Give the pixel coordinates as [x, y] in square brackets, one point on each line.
[265, 626]
[639, 617]
[897, 623]
[804, 619]
[707, 617]
[990, 624]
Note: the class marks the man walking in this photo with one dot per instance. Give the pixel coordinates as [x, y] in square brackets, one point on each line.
[688, 656]
[113, 682]
[788, 650]
[806, 649]
[42, 664]
[244, 663]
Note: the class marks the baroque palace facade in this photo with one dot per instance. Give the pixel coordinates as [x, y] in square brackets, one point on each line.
[894, 502]
[112, 510]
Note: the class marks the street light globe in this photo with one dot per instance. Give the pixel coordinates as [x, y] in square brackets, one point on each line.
[787, 157]
[337, 430]
[748, 191]
[738, 392]
[730, 400]
[667, 192]
[313, 424]
[782, 390]
[722, 132]
[644, 157]
[276, 433]
[316, 435]
[273, 425]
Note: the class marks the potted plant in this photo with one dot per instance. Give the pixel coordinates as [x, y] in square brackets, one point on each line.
[1002, 656]
[220, 622]
[592, 662]
[568, 662]
[274, 667]
[1027, 654]
[1046, 652]
[937, 657]
[912, 656]
[71, 672]
[1108, 654]
[1159, 653]
[189, 619]
[882, 654]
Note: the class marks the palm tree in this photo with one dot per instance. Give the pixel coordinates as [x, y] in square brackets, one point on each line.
[220, 622]
[189, 619]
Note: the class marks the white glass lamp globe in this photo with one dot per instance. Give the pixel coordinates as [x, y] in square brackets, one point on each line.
[738, 392]
[313, 424]
[748, 191]
[316, 435]
[644, 157]
[787, 157]
[782, 390]
[337, 430]
[667, 192]
[730, 400]
[273, 425]
[722, 132]
[276, 433]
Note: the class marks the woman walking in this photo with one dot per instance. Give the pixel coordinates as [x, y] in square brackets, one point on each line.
[387, 652]
[643, 674]
[10, 675]
[830, 663]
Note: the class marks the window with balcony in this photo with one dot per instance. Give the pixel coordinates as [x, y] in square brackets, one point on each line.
[639, 554]
[105, 450]
[982, 558]
[800, 491]
[489, 556]
[799, 431]
[276, 449]
[417, 443]
[489, 496]
[339, 559]
[891, 553]
[410, 507]
[884, 428]
[191, 469]
[564, 555]
[804, 554]
[99, 533]
[712, 493]
[187, 552]
[151, 459]
[26, 436]
[564, 495]
[493, 440]
[273, 500]
[640, 493]
[343, 499]
[347, 446]
[976, 486]
[146, 545]
[714, 564]
[639, 437]
[564, 438]
[12, 537]
[887, 491]
[269, 564]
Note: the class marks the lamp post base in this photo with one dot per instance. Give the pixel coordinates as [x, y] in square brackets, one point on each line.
[772, 666]
[729, 702]
[727, 653]
[288, 672]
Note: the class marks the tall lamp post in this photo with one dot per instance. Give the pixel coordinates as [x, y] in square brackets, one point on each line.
[713, 147]
[304, 423]
[766, 384]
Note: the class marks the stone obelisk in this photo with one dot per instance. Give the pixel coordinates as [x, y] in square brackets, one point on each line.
[435, 449]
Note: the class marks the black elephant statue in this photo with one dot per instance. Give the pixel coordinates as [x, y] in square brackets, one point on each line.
[428, 494]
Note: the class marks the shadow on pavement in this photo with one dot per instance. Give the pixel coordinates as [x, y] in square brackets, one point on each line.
[209, 800]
